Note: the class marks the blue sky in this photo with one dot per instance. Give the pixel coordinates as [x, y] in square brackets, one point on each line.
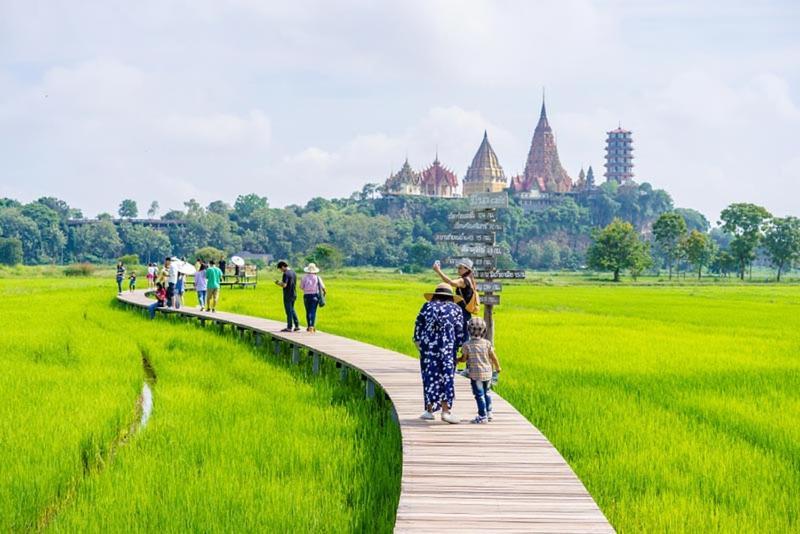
[170, 100]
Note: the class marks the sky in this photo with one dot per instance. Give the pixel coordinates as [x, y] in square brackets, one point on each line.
[171, 100]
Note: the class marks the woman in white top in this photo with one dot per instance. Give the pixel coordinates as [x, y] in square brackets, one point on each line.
[313, 294]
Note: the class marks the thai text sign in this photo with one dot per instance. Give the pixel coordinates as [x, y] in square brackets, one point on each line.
[491, 287]
[478, 226]
[485, 201]
[471, 216]
[501, 274]
[486, 263]
[464, 237]
[490, 300]
[481, 250]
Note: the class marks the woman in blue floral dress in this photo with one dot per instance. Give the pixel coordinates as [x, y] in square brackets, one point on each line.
[438, 333]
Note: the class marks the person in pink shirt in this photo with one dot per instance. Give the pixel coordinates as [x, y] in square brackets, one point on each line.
[313, 294]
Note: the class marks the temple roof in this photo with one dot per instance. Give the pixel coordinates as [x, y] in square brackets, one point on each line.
[543, 168]
[405, 175]
[485, 167]
[437, 174]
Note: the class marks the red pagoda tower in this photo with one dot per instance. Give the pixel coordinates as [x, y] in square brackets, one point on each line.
[543, 169]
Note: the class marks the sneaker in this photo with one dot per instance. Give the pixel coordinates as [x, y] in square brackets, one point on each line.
[479, 420]
[286, 330]
[427, 416]
[489, 415]
[448, 417]
[296, 328]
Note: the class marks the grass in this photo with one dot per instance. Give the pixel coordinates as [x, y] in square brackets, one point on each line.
[677, 405]
[236, 438]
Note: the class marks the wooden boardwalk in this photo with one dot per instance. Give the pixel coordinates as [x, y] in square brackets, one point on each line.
[504, 476]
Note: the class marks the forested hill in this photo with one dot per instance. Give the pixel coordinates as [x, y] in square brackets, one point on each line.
[365, 229]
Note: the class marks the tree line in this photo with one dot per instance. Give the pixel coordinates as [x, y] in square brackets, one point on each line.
[368, 228]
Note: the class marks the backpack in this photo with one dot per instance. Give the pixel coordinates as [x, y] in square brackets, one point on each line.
[473, 304]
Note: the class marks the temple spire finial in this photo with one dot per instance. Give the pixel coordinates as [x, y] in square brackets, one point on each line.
[543, 112]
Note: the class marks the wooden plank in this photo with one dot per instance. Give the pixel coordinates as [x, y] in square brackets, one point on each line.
[505, 477]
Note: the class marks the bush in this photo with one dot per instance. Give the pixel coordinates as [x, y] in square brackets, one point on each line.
[10, 251]
[208, 254]
[129, 259]
[79, 269]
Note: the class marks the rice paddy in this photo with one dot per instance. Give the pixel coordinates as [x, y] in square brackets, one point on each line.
[678, 406]
[237, 439]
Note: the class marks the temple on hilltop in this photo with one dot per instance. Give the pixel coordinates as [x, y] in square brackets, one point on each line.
[404, 182]
[619, 156]
[543, 170]
[484, 175]
[435, 181]
[585, 180]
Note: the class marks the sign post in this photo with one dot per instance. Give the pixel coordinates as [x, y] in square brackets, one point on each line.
[474, 233]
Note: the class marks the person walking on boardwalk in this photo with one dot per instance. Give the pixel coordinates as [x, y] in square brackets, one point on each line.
[313, 294]
[172, 279]
[482, 363]
[120, 276]
[464, 285]
[438, 333]
[151, 275]
[132, 282]
[200, 285]
[180, 289]
[289, 284]
[213, 279]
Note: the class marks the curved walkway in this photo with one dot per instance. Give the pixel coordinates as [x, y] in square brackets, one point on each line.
[500, 477]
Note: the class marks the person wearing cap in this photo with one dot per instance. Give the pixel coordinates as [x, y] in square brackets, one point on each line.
[464, 286]
[289, 284]
[313, 293]
[482, 362]
[438, 333]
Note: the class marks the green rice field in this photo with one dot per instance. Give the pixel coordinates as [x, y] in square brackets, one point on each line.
[678, 406]
[237, 439]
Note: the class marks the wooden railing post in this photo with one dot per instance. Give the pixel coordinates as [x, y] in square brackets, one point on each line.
[295, 354]
[315, 365]
[343, 373]
[370, 389]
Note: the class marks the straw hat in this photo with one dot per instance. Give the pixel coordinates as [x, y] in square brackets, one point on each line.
[311, 268]
[444, 289]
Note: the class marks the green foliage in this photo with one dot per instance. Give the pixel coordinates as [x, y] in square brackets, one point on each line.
[694, 219]
[128, 209]
[79, 269]
[209, 253]
[97, 241]
[10, 251]
[745, 222]
[698, 250]
[129, 259]
[326, 256]
[669, 232]
[617, 247]
[153, 209]
[782, 242]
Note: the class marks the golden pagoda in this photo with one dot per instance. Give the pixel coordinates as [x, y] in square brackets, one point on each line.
[484, 175]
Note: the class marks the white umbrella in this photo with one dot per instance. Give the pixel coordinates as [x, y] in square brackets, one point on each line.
[187, 268]
[237, 260]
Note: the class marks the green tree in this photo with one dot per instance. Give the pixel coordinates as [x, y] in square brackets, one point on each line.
[97, 241]
[208, 254]
[246, 205]
[669, 231]
[699, 250]
[616, 247]
[10, 251]
[13, 223]
[128, 209]
[153, 211]
[52, 238]
[694, 219]
[745, 223]
[326, 256]
[782, 242]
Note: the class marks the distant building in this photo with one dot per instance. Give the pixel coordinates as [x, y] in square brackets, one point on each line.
[435, 181]
[619, 156]
[484, 175]
[439, 181]
[404, 182]
[543, 170]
